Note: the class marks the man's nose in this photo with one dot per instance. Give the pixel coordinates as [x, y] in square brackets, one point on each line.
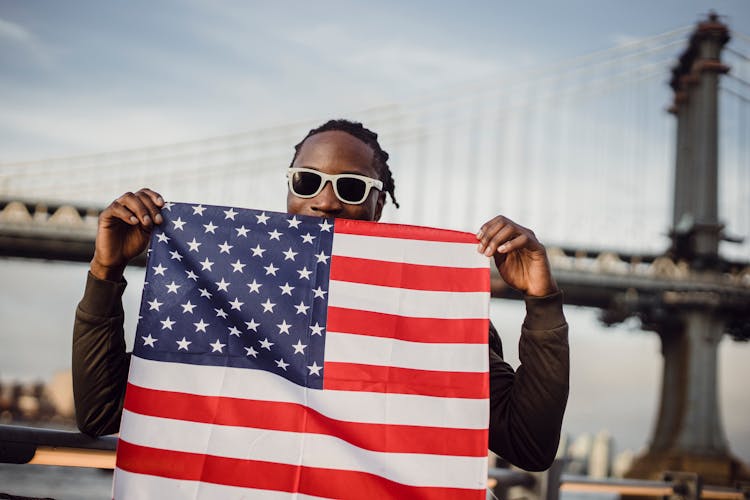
[326, 200]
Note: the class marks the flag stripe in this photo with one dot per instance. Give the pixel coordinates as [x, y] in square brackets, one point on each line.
[295, 417]
[403, 231]
[305, 449]
[259, 385]
[432, 330]
[388, 379]
[411, 276]
[429, 253]
[368, 350]
[146, 487]
[415, 303]
[264, 475]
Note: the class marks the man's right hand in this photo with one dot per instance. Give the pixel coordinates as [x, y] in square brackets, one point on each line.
[124, 231]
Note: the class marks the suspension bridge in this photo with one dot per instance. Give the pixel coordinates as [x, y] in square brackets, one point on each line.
[632, 164]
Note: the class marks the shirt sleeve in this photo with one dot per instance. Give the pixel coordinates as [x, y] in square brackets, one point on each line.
[100, 363]
[527, 405]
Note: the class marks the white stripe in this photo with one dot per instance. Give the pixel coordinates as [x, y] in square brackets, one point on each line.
[308, 450]
[128, 485]
[352, 406]
[368, 350]
[412, 303]
[427, 253]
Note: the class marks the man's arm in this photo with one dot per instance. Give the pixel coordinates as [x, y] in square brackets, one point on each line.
[100, 364]
[527, 406]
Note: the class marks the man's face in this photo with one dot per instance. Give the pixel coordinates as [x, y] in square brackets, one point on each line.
[336, 152]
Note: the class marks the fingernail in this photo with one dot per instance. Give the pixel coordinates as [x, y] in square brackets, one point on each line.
[488, 253]
[479, 234]
[502, 248]
[147, 220]
[133, 219]
[159, 219]
[480, 248]
[160, 200]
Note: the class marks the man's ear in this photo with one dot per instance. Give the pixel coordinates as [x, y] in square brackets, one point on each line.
[379, 207]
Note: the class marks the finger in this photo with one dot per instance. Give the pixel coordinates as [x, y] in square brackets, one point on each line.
[514, 244]
[504, 235]
[137, 205]
[150, 200]
[490, 229]
[117, 210]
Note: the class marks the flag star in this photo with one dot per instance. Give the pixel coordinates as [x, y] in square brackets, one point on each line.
[159, 269]
[217, 346]
[198, 210]
[168, 205]
[193, 245]
[175, 256]
[229, 214]
[209, 228]
[221, 313]
[270, 269]
[284, 327]
[236, 304]
[286, 289]
[307, 238]
[225, 247]
[275, 235]
[299, 347]
[234, 331]
[262, 218]
[242, 231]
[237, 267]
[252, 325]
[187, 307]
[251, 352]
[201, 326]
[163, 238]
[206, 265]
[322, 257]
[178, 223]
[167, 324]
[172, 287]
[268, 306]
[325, 226]
[289, 254]
[293, 222]
[223, 285]
[205, 293]
[281, 364]
[319, 293]
[265, 344]
[317, 329]
[191, 275]
[314, 369]
[154, 305]
[254, 286]
[149, 340]
[183, 344]
[302, 308]
[258, 251]
[304, 273]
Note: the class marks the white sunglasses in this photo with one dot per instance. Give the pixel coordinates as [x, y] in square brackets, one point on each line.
[349, 188]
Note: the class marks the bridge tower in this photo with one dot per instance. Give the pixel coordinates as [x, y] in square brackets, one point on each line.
[688, 434]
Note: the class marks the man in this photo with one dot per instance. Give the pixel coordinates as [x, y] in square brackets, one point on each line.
[340, 170]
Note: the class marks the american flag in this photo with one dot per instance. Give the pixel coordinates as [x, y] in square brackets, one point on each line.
[282, 356]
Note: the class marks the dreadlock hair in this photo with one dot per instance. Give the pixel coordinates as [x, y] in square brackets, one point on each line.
[356, 129]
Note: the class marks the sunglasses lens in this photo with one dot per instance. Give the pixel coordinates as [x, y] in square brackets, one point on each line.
[351, 190]
[305, 183]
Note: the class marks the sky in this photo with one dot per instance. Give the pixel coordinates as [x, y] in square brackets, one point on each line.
[89, 76]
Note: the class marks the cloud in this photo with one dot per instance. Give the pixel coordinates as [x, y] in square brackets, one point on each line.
[28, 42]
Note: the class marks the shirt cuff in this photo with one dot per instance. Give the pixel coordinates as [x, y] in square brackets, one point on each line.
[544, 313]
[103, 297]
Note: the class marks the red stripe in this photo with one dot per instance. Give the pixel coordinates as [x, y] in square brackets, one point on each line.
[402, 231]
[389, 379]
[293, 417]
[411, 276]
[329, 483]
[431, 330]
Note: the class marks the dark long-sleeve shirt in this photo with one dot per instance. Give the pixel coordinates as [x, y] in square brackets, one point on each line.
[526, 405]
